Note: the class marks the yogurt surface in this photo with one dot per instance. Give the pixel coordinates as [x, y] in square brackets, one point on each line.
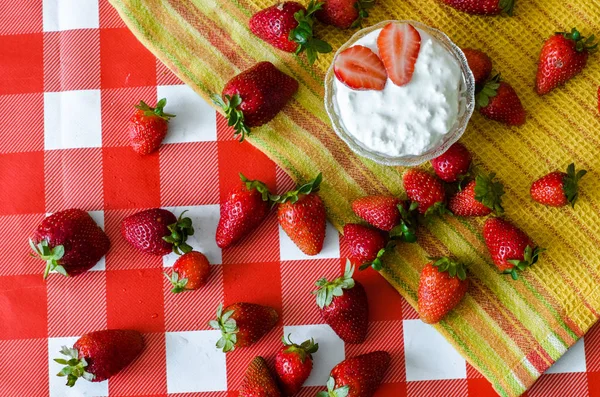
[407, 120]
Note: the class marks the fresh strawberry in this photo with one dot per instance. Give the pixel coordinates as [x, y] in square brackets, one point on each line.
[367, 245]
[479, 63]
[98, 355]
[359, 376]
[558, 189]
[148, 127]
[399, 45]
[293, 364]
[345, 13]
[302, 216]
[426, 190]
[244, 209]
[343, 305]
[498, 101]
[289, 27]
[511, 249]
[158, 232]
[479, 198]
[442, 286]
[380, 211]
[242, 324]
[258, 381]
[255, 96]
[482, 7]
[564, 55]
[190, 272]
[453, 164]
[70, 242]
[360, 68]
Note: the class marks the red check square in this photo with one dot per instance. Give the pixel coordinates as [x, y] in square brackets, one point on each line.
[22, 183]
[27, 134]
[23, 310]
[224, 132]
[261, 245]
[480, 387]
[18, 229]
[35, 353]
[21, 17]
[593, 380]
[260, 282]
[109, 17]
[164, 76]
[379, 290]
[575, 383]
[22, 66]
[393, 390]
[438, 388]
[592, 349]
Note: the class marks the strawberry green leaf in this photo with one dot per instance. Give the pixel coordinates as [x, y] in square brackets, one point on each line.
[454, 268]
[303, 33]
[530, 257]
[157, 111]
[234, 116]
[507, 6]
[328, 289]
[52, 256]
[74, 367]
[294, 195]
[489, 90]
[332, 391]
[362, 6]
[489, 192]
[228, 328]
[259, 186]
[180, 231]
[582, 43]
[571, 183]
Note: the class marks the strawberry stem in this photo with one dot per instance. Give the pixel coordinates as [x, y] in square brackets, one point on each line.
[178, 284]
[507, 6]
[74, 367]
[530, 257]
[258, 185]
[303, 350]
[329, 289]
[406, 231]
[180, 231]
[228, 328]
[582, 43]
[363, 11]
[304, 36]
[293, 195]
[332, 391]
[234, 115]
[52, 256]
[489, 90]
[489, 192]
[157, 111]
[454, 268]
[571, 183]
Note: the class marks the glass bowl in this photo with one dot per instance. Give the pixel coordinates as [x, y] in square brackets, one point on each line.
[466, 103]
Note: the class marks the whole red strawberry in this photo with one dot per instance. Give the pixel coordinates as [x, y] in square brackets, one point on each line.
[380, 211]
[258, 381]
[482, 7]
[480, 197]
[498, 101]
[70, 242]
[148, 127]
[442, 286]
[302, 216]
[426, 190]
[293, 364]
[358, 376]
[558, 189]
[343, 305]
[190, 272]
[244, 209]
[367, 245]
[345, 13]
[289, 27]
[479, 63]
[511, 249]
[453, 164]
[158, 232]
[242, 324]
[98, 355]
[255, 96]
[564, 55]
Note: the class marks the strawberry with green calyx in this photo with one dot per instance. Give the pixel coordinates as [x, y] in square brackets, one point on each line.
[358, 376]
[558, 189]
[406, 230]
[498, 101]
[190, 272]
[367, 245]
[453, 165]
[293, 364]
[426, 190]
[258, 381]
[180, 231]
[148, 127]
[530, 257]
[303, 34]
[233, 114]
[345, 14]
[483, 7]
[380, 211]
[332, 391]
[479, 197]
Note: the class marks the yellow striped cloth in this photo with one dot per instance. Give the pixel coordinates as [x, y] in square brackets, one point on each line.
[511, 331]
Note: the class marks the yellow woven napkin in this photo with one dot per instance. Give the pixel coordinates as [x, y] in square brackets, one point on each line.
[510, 330]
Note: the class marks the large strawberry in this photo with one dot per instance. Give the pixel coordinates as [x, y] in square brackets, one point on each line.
[498, 101]
[70, 242]
[241, 324]
[563, 56]
[293, 364]
[511, 249]
[345, 13]
[359, 68]
[367, 245]
[479, 63]
[158, 232]
[482, 7]
[242, 211]
[190, 272]
[442, 286]
[358, 376]
[453, 164]
[302, 216]
[380, 211]
[258, 381]
[558, 189]
[255, 96]
[480, 197]
[343, 305]
[426, 190]
[148, 127]
[98, 355]
[399, 45]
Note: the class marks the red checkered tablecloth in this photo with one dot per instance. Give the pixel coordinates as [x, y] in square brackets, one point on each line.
[69, 74]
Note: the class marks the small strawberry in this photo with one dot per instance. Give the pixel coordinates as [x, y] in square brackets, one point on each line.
[158, 232]
[302, 216]
[479, 198]
[359, 376]
[511, 249]
[98, 355]
[294, 363]
[359, 68]
[453, 164]
[563, 56]
[442, 286]
[367, 245]
[345, 14]
[289, 27]
[479, 63]
[148, 127]
[482, 7]
[558, 189]
[498, 101]
[70, 242]
[399, 45]
[343, 305]
[380, 211]
[244, 209]
[190, 272]
[242, 324]
[255, 96]
[426, 190]
[258, 381]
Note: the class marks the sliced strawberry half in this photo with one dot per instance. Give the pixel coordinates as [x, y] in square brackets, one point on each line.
[399, 45]
[360, 69]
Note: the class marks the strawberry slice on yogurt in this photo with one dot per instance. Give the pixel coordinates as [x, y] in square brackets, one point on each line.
[399, 45]
[359, 68]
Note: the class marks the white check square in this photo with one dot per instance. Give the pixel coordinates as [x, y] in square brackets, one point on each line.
[290, 252]
[70, 14]
[572, 361]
